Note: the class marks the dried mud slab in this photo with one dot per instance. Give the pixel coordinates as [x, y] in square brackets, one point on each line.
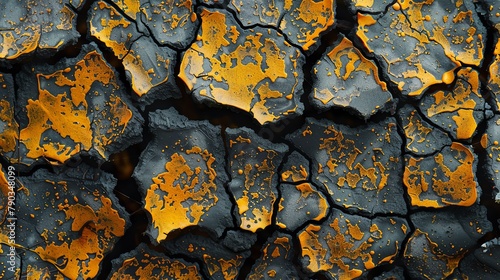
[422, 138]
[344, 78]
[368, 6]
[420, 44]
[9, 128]
[443, 179]
[77, 106]
[347, 246]
[149, 68]
[253, 167]
[173, 24]
[295, 169]
[29, 27]
[276, 260]
[254, 70]
[69, 220]
[143, 263]
[490, 142]
[361, 167]
[217, 261]
[441, 240]
[300, 204]
[181, 174]
[482, 263]
[302, 22]
[457, 111]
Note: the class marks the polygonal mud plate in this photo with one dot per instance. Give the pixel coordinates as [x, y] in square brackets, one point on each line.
[421, 137]
[181, 174]
[459, 110]
[412, 45]
[276, 259]
[441, 240]
[300, 204]
[344, 78]
[494, 72]
[217, 261]
[442, 179]
[303, 22]
[149, 68]
[144, 263]
[253, 166]
[9, 129]
[68, 221]
[31, 26]
[490, 142]
[360, 167]
[254, 70]
[347, 246]
[77, 106]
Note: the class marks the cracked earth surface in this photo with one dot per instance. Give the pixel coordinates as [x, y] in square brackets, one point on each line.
[231, 139]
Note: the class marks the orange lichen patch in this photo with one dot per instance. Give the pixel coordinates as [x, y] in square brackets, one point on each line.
[173, 23]
[76, 110]
[412, 38]
[346, 246]
[420, 253]
[254, 70]
[9, 128]
[179, 197]
[355, 164]
[494, 80]
[447, 178]
[147, 64]
[32, 25]
[345, 78]
[130, 7]
[300, 204]
[295, 169]
[97, 229]
[275, 260]
[72, 237]
[145, 264]
[254, 189]
[464, 105]
[422, 138]
[303, 22]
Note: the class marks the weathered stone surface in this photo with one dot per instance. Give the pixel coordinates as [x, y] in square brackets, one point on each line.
[360, 167]
[482, 263]
[254, 70]
[370, 6]
[144, 263]
[421, 137]
[69, 220]
[149, 68]
[444, 179]
[31, 26]
[217, 261]
[276, 259]
[344, 78]
[421, 44]
[253, 167]
[77, 106]
[441, 240]
[181, 174]
[303, 22]
[396, 273]
[459, 110]
[494, 74]
[347, 246]
[300, 204]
